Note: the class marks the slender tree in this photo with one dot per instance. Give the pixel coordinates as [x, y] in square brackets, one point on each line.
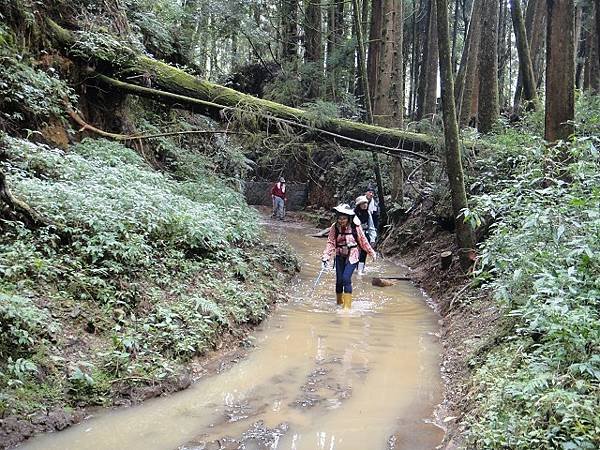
[592, 64]
[535, 29]
[467, 78]
[525, 65]
[560, 70]
[375, 37]
[362, 65]
[388, 102]
[464, 234]
[488, 110]
[426, 99]
[289, 22]
[313, 46]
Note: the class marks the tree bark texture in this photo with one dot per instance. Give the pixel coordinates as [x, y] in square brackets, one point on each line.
[426, 101]
[560, 70]
[535, 28]
[525, 65]
[468, 74]
[488, 110]
[214, 98]
[374, 45]
[464, 234]
[369, 111]
[289, 24]
[388, 103]
[592, 60]
[313, 46]
[335, 40]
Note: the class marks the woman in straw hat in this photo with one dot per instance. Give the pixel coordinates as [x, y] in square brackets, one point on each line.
[345, 239]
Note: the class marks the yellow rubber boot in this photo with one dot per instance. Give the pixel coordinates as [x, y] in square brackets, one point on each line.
[339, 298]
[347, 298]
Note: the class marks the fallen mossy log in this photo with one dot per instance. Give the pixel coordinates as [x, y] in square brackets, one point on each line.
[151, 75]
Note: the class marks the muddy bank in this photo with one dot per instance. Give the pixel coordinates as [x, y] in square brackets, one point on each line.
[468, 317]
[234, 347]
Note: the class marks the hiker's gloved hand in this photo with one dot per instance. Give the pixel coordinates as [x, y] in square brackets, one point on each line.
[324, 263]
[374, 257]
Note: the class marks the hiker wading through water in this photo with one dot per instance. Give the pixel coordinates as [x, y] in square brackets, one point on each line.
[279, 198]
[365, 220]
[345, 239]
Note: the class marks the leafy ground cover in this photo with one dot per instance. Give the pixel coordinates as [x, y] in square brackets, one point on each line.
[537, 381]
[155, 271]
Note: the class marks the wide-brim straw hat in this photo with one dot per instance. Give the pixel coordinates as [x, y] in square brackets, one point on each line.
[361, 199]
[345, 209]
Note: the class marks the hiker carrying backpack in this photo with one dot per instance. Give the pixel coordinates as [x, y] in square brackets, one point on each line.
[345, 239]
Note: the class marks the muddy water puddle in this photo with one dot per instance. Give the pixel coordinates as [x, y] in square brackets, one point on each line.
[318, 377]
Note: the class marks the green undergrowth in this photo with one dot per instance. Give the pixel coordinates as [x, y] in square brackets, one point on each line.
[538, 385]
[140, 273]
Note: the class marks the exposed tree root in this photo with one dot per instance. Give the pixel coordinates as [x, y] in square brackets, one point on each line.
[17, 207]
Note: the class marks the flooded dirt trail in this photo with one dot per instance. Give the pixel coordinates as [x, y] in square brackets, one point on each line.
[318, 377]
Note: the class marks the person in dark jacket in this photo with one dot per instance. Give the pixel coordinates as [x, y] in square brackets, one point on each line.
[373, 206]
[364, 219]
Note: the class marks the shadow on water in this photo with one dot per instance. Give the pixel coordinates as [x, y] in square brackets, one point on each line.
[319, 377]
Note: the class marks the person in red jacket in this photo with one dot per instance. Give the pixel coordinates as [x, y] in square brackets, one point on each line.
[279, 198]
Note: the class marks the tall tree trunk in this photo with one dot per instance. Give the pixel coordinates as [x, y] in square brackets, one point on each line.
[388, 103]
[467, 77]
[488, 110]
[455, 34]
[360, 49]
[535, 19]
[560, 70]
[581, 41]
[592, 64]
[464, 235]
[313, 46]
[525, 65]
[426, 100]
[414, 66]
[289, 22]
[364, 19]
[375, 38]
[597, 20]
[330, 63]
[388, 100]
[502, 51]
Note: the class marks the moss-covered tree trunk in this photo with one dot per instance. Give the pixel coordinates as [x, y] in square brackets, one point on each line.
[464, 234]
[182, 86]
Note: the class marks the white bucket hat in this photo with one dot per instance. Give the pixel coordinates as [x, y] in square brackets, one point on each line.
[361, 199]
[345, 209]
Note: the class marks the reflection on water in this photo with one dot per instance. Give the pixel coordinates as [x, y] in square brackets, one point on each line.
[319, 378]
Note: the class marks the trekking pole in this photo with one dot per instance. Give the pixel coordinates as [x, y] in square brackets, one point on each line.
[317, 280]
